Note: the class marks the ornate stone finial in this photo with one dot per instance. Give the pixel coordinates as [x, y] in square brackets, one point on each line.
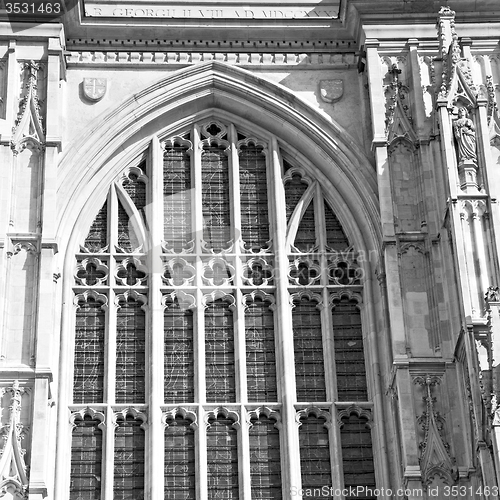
[492, 294]
[446, 11]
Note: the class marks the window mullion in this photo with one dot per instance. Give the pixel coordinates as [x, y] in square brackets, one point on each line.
[199, 319]
[235, 202]
[154, 476]
[244, 455]
[336, 449]
[108, 453]
[289, 437]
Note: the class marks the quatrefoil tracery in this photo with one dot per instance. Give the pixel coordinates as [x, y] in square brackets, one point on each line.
[304, 272]
[218, 272]
[131, 272]
[178, 272]
[345, 272]
[91, 272]
[257, 272]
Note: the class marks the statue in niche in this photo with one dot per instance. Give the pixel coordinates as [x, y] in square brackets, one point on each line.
[465, 134]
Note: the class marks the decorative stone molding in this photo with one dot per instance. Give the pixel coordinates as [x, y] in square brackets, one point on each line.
[98, 297]
[263, 410]
[210, 276]
[492, 294]
[295, 268]
[435, 458]
[184, 413]
[27, 246]
[13, 470]
[122, 267]
[356, 409]
[187, 58]
[177, 140]
[91, 412]
[297, 297]
[136, 413]
[317, 412]
[133, 170]
[257, 271]
[354, 294]
[265, 297]
[397, 97]
[219, 294]
[132, 294]
[178, 272]
[226, 412]
[28, 129]
[185, 300]
[81, 273]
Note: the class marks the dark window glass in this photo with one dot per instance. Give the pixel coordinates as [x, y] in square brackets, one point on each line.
[86, 460]
[265, 466]
[129, 460]
[357, 454]
[308, 348]
[97, 238]
[215, 198]
[315, 463]
[88, 382]
[180, 482]
[219, 352]
[176, 197]
[349, 354]
[253, 192]
[222, 460]
[260, 352]
[130, 352]
[178, 355]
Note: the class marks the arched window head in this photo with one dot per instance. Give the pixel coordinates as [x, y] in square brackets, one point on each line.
[216, 284]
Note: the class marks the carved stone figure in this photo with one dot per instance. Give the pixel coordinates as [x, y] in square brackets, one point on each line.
[465, 134]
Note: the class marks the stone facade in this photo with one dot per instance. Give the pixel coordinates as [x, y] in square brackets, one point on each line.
[398, 114]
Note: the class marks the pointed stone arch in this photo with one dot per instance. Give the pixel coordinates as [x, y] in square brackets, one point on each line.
[230, 92]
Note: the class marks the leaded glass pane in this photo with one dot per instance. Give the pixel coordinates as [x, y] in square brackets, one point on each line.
[294, 189]
[124, 236]
[260, 352]
[215, 198]
[129, 460]
[130, 352]
[315, 463]
[222, 460]
[180, 480]
[136, 190]
[176, 197]
[335, 236]
[357, 454]
[97, 239]
[219, 352]
[308, 349]
[349, 353]
[305, 239]
[178, 355]
[253, 192]
[86, 460]
[265, 466]
[88, 382]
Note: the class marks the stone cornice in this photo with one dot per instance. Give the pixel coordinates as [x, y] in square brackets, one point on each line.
[177, 60]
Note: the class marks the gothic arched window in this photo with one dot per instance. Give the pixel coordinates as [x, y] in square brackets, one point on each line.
[217, 329]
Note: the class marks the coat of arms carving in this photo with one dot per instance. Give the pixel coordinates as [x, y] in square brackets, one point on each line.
[331, 90]
[94, 88]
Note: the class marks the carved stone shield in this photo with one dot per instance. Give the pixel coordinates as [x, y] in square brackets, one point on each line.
[94, 88]
[331, 90]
